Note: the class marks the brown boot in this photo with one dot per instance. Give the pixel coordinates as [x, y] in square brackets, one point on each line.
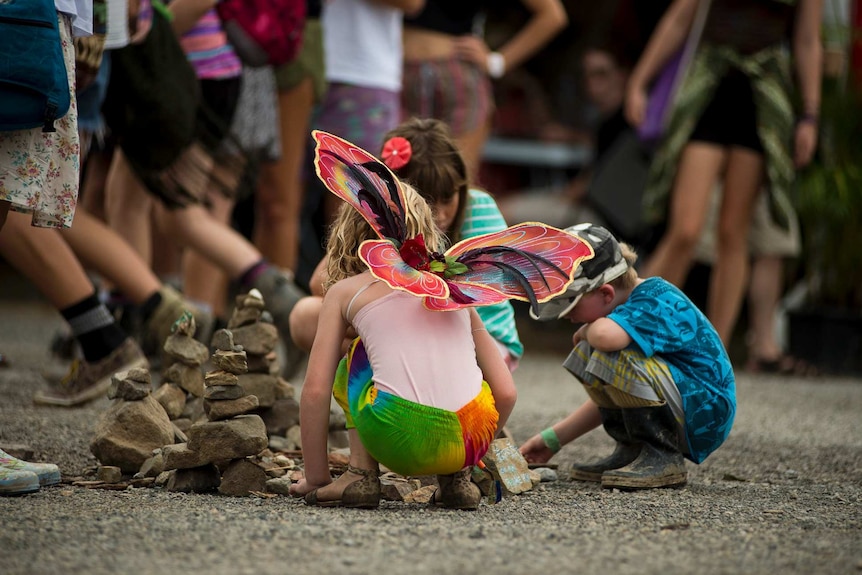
[456, 491]
[626, 450]
[660, 463]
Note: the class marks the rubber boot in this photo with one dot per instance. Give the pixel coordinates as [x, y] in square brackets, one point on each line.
[17, 481]
[625, 452]
[48, 473]
[660, 463]
[456, 491]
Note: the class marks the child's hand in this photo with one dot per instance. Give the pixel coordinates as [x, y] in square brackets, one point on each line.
[534, 450]
[580, 335]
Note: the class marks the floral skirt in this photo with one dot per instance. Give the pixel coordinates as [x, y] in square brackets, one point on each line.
[39, 171]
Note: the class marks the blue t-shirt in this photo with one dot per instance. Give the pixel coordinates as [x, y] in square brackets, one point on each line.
[663, 322]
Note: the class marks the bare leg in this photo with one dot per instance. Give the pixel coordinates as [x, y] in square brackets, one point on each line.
[95, 180]
[359, 458]
[128, 206]
[100, 248]
[202, 280]
[303, 321]
[764, 293]
[280, 190]
[699, 167]
[46, 260]
[194, 227]
[471, 145]
[730, 272]
[4, 209]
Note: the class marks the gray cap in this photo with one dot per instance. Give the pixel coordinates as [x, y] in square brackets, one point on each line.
[606, 265]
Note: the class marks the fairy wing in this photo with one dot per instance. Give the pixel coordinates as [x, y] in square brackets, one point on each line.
[530, 262]
[386, 263]
[364, 182]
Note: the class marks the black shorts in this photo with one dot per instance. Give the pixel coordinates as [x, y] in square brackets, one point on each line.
[730, 119]
[219, 99]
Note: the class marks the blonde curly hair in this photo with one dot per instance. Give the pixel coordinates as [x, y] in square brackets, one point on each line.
[350, 229]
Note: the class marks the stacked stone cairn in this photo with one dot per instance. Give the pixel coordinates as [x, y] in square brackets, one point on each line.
[133, 426]
[217, 451]
[182, 389]
[254, 332]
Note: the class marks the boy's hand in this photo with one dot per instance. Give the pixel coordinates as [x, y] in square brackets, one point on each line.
[534, 450]
[580, 335]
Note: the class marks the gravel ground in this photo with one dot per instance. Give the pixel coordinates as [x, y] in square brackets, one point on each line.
[782, 495]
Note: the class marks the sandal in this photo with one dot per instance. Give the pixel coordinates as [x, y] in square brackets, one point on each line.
[784, 365]
[361, 494]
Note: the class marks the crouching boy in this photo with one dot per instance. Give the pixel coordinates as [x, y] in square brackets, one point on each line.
[657, 375]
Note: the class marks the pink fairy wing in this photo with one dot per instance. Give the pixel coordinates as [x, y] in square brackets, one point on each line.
[386, 263]
[470, 295]
[530, 262]
[361, 180]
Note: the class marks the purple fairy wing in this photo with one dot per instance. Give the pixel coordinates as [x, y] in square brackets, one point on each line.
[530, 262]
[386, 263]
[363, 181]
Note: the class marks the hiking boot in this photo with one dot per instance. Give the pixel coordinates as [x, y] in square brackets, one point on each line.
[88, 381]
[17, 482]
[48, 473]
[625, 452]
[660, 463]
[161, 321]
[280, 294]
[456, 491]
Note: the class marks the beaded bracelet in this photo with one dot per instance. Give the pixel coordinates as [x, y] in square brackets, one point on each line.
[552, 441]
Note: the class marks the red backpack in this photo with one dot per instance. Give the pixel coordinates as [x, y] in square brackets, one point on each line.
[263, 32]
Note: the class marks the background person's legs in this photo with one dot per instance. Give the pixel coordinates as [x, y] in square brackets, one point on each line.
[743, 178]
[699, 167]
[280, 189]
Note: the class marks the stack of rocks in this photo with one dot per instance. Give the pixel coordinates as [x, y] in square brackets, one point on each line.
[133, 426]
[217, 451]
[182, 389]
[254, 332]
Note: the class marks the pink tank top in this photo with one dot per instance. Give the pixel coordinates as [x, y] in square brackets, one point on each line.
[427, 357]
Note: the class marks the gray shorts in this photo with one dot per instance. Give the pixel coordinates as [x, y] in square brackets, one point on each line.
[631, 372]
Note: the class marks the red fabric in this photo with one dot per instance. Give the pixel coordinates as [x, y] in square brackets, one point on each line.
[275, 26]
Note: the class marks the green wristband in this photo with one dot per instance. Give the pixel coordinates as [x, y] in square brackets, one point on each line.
[552, 442]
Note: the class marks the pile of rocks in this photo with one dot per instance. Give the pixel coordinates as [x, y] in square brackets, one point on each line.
[133, 426]
[182, 387]
[254, 332]
[216, 451]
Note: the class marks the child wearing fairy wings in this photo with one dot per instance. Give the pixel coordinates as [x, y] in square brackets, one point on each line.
[424, 387]
[422, 153]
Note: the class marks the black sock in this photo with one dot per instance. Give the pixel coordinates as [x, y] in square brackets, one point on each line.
[94, 328]
[246, 279]
[148, 307]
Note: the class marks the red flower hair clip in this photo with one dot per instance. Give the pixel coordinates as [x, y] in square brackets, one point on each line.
[397, 152]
